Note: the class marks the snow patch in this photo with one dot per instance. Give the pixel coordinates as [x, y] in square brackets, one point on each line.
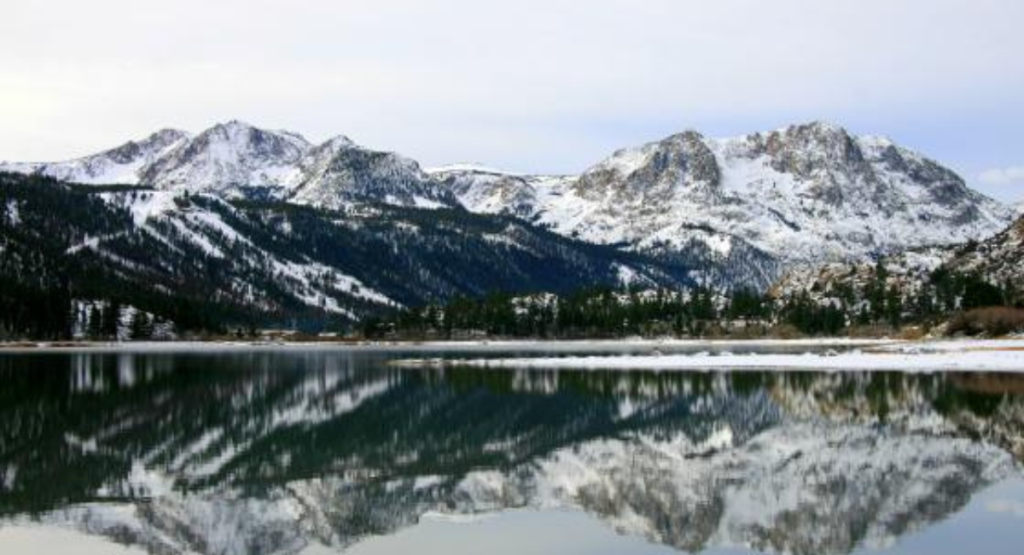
[1006, 356]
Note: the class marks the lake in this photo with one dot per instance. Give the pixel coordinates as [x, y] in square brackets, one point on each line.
[274, 451]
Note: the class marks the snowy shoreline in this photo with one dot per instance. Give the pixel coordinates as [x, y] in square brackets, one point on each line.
[1006, 355]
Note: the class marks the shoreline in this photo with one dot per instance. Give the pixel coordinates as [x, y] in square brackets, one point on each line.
[884, 343]
[1000, 355]
[468, 345]
[1004, 355]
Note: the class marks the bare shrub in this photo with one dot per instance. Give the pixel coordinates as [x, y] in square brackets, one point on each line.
[912, 333]
[992, 321]
[870, 331]
[785, 331]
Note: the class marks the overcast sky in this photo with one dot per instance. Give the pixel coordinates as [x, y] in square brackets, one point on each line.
[534, 86]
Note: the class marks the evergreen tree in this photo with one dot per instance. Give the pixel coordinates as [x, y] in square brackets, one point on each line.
[141, 327]
[95, 326]
[111, 320]
[894, 307]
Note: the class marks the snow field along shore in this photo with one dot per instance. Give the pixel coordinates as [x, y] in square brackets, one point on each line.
[952, 356]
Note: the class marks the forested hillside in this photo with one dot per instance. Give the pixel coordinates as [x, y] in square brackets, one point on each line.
[209, 265]
[976, 288]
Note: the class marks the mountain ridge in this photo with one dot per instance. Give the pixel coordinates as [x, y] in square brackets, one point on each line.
[203, 262]
[740, 211]
[785, 183]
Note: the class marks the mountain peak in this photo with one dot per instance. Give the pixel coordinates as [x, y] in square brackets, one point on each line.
[816, 127]
[687, 136]
[233, 159]
[234, 124]
[237, 130]
[232, 127]
[168, 134]
[823, 125]
[339, 141]
[816, 134]
[804, 193]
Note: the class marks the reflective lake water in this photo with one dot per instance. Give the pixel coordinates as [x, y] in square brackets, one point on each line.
[289, 451]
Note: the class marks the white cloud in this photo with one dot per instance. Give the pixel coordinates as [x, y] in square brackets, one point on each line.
[1003, 176]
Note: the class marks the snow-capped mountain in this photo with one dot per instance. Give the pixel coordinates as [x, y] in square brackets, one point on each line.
[236, 160]
[806, 193]
[339, 172]
[228, 160]
[490, 191]
[738, 211]
[121, 165]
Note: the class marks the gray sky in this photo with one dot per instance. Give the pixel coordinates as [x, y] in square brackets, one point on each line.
[536, 86]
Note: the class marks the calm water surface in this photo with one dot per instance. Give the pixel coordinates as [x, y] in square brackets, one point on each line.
[267, 452]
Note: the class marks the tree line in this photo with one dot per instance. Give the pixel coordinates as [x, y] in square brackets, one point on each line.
[604, 312]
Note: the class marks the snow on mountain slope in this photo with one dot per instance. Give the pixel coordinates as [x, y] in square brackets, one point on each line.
[807, 193]
[488, 191]
[998, 259]
[236, 160]
[340, 172]
[206, 224]
[288, 261]
[229, 159]
[120, 165]
[739, 211]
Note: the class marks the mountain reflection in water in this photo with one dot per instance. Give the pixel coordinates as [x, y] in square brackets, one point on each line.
[272, 452]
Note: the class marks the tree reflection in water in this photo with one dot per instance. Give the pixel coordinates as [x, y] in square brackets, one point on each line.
[269, 452]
